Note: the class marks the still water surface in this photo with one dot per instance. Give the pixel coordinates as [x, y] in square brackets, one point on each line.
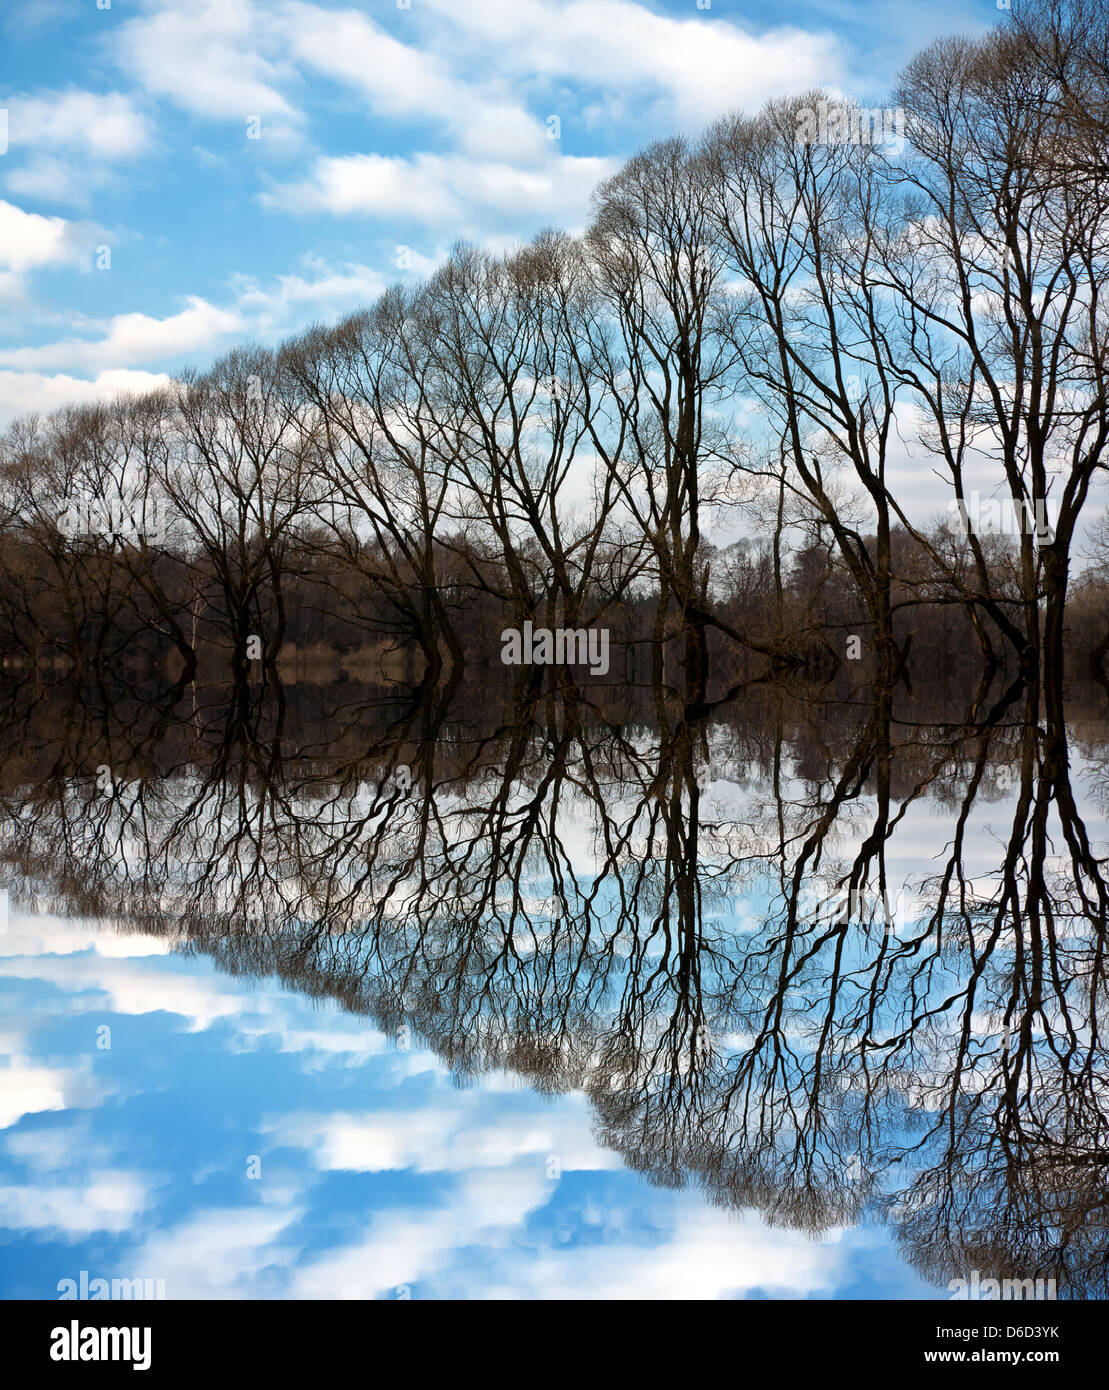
[559, 1008]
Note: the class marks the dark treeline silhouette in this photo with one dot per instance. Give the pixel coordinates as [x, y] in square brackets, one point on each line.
[761, 334]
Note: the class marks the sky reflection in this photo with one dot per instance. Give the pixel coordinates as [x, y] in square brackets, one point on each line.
[380, 1176]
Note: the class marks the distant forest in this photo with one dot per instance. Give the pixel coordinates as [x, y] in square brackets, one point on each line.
[754, 332]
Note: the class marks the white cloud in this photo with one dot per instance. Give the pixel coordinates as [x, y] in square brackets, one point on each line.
[447, 191]
[706, 1255]
[449, 1135]
[324, 290]
[67, 1142]
[49, 178]
[99, 125]
[28, 240]
[218, 1254]
[38, 935]
[401, 80]
[464, 66]
[134, 985]
[72, 141]
[48, 376]
[219, 59]
[696, 1252]
[25, 393]
[133, 338]
[398, 78]
[26, 1089]
[689, 70]
[108, 1201]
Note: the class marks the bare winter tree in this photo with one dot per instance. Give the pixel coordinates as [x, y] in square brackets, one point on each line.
[659, 271]
[998, 271]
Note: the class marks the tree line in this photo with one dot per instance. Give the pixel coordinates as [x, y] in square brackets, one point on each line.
[762, 335]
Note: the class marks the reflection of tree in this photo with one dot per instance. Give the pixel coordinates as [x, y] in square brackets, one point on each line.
[1013, 1172]
[558, 896]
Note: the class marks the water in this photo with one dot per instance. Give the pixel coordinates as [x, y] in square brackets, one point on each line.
[395, 1003]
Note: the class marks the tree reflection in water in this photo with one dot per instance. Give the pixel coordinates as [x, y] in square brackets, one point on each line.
[684, 912]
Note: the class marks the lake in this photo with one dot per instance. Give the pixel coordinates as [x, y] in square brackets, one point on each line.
[340, 996]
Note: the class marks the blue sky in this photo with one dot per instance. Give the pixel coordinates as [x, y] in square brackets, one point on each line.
[142, 227]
